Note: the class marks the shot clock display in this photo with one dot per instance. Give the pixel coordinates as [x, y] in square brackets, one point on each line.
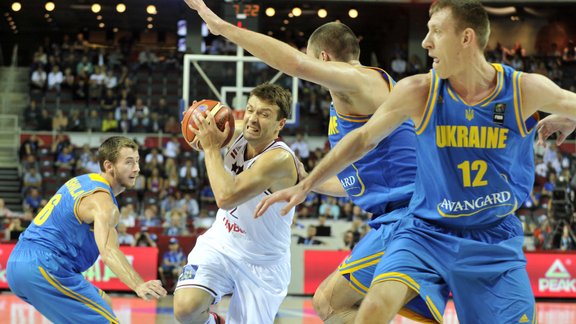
[243, 15]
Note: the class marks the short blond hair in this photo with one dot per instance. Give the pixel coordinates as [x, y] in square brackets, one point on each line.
[110, 149]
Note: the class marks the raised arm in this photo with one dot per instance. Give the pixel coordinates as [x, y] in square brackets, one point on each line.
[99, 208]
[281, 56]
[407, 100]
[331, 187]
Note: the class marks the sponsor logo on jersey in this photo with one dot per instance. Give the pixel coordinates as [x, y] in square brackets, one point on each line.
[232, 227]
[468, 207]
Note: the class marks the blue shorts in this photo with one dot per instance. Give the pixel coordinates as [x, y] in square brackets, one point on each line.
[485, 269]
[361, 266]
[62, 296]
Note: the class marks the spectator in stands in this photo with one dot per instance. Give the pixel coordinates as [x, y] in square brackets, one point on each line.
[76, 121]
[567, 241]
[141, 116]
[31, 145]
[109, 123]
[172, 126]
[92, 166]
[349, 241]
[108, 103]
[207, 195]
[30, 162]
[172, 147]
[110, 80]
[84, 66]
[128, 215]
[96, 83]
[14, 229]
[150, 219]
[125, 238]
[5, 213]
[32, 200]
[322, 229]
[329, 208]
[38, 80]
[55, 79]
[32, 179]
[124, 123]
[143, 238]
[81, 86]
[300, 147]
[399, 67]
[154, 155]
[126, 94]
[172, 261]
[173, 180]
[541, 168]
[94, 122]
[147, 60]
[66, 159]
[155, 183]
[310, 238]
[123, 108]
[59, 121]
[31, 116]
[40, 57]
[168, 204]
[189, 205]
[549, 186]
[176, 225]
[156, 124]
[203, 220]
[569, 54]
[69, 80]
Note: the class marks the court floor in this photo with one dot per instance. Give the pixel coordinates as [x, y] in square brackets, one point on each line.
[294, 310]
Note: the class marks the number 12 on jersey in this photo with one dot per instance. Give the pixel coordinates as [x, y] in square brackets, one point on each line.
[475, 168]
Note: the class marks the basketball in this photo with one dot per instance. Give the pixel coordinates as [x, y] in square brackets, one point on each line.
[221, 113]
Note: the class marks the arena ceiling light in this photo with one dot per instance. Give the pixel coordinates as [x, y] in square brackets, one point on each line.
[322, 13]
[150, 26]
[96, 8]
[49, 6]
[101, 25]
[98, 17]
[353, 13]
[151, 10]
[120, 7]
[296, 11]
[270, 12]
[16, 6]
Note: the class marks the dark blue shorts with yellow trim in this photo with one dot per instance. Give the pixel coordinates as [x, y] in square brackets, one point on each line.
[361, 266]
[34, 275]
[485, 269]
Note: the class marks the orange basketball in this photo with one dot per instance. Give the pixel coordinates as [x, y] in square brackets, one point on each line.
[221, 113]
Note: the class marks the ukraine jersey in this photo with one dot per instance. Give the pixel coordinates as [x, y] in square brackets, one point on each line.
[475, 161]
[58, 228]
[383, 178]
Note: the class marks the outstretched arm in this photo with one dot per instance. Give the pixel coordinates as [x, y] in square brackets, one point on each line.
[540, 93]
[279, 55]
[100, 208]
[405, 101]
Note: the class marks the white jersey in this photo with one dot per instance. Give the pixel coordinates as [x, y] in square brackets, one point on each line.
[237, 233]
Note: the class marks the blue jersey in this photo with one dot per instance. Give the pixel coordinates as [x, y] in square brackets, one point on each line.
[58, 227]
[385, 175]
[475, 162]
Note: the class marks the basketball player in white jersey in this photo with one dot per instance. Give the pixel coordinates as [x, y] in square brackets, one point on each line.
[239, 255]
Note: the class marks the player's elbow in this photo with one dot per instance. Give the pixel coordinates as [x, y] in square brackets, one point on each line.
[225, 201]
[364, 143]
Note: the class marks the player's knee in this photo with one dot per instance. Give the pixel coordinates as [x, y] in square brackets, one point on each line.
[188, 309]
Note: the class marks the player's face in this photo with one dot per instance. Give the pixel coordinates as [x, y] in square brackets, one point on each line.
[126, 169]
[260, 120]
[443, 43]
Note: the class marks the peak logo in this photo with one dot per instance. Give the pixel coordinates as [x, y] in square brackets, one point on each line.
[557, 279]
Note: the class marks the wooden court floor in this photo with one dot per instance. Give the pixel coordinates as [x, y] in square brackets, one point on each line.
[294, 310]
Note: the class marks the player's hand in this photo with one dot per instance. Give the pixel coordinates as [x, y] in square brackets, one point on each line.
[150, 289]
[293, 196]
[210, 18]
[208, 134]
[555, 124]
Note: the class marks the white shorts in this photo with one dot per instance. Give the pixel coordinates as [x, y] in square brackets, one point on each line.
[257, 291]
